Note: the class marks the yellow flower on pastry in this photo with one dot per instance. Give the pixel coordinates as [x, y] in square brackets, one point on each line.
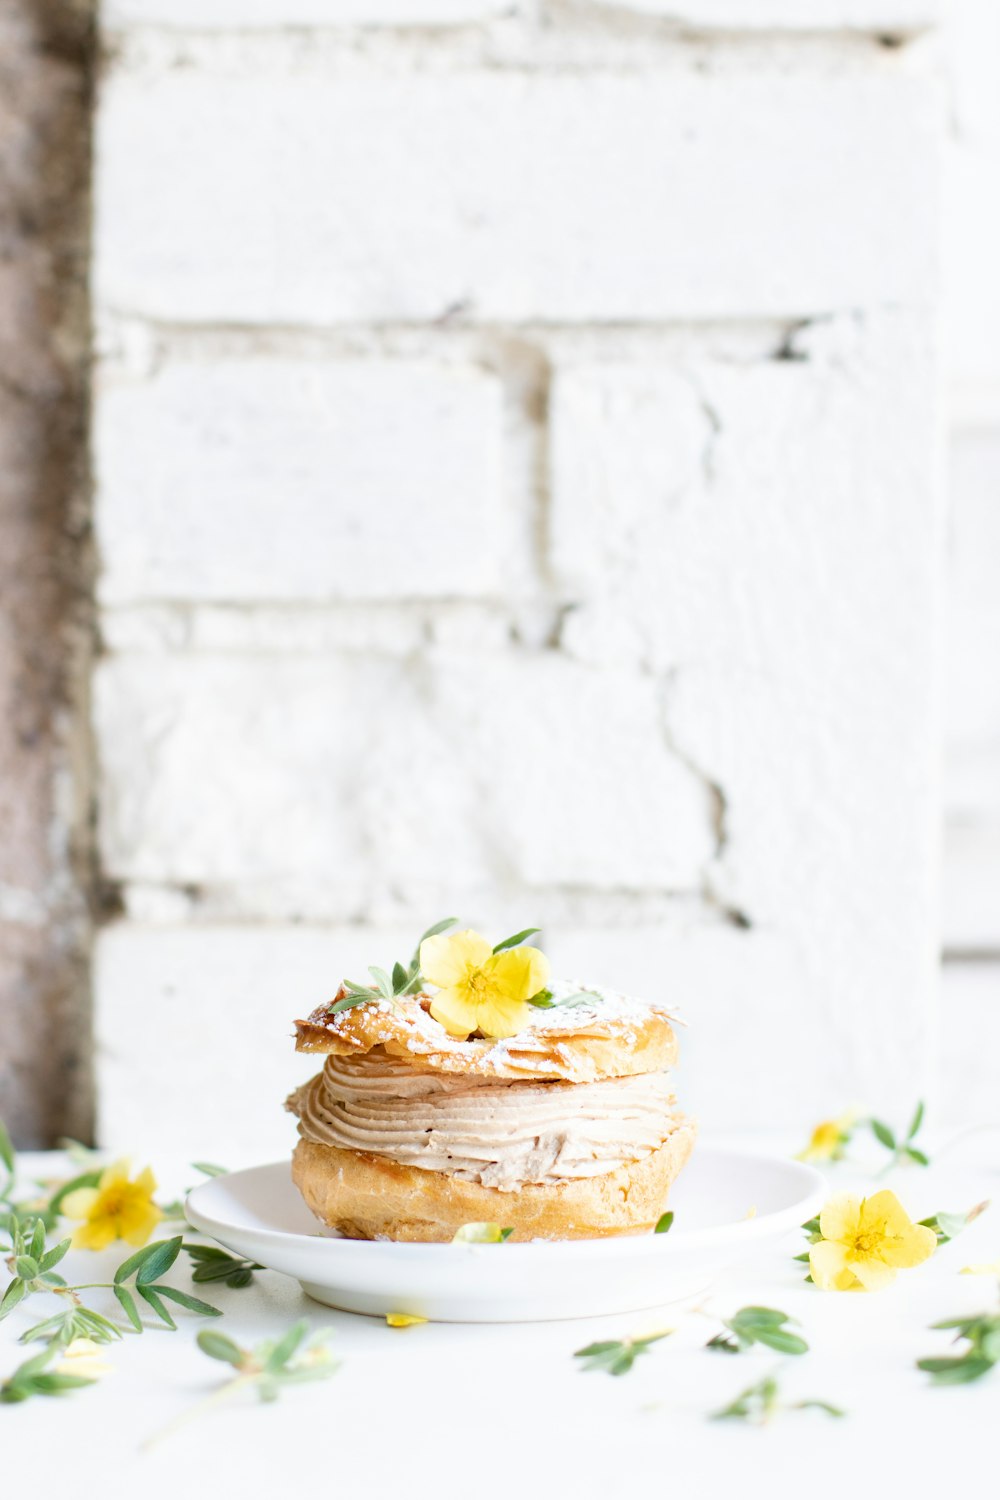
[479, 990]
[865, 1241]
[116, 1209]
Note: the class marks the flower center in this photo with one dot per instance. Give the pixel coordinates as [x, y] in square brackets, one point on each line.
[479, 984]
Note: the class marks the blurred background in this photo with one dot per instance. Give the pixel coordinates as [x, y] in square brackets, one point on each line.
[531, 460]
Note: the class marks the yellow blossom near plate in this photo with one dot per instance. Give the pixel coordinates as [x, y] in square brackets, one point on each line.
[865, 1241]
[82, 1357]
[478, 989]
[829, 1138]
[116, 1209]
[403, 1320]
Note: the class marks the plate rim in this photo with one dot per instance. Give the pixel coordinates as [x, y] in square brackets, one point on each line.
[761, 1226]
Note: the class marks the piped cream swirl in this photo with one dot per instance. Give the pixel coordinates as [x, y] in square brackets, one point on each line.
[502, 1134]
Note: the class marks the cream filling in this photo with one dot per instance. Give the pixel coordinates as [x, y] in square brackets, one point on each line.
[500, 1133]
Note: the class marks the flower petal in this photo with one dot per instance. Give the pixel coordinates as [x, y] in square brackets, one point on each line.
[872, 1272]
[446, 959]
[146, 1182]
[137, 1221]
[884, 1213]
[827, 1266]
[518, 973]
[79, 1203]
[458, 1017]
[115, 1175]
[916, 1244]
[498, 1017]
[840, 1217]
[96, 1235]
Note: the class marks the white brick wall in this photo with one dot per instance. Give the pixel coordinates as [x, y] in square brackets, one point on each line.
[517, 494]
[300, 481]
[511, 196]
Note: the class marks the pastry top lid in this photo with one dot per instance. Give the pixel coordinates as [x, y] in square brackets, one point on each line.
[579, 1034]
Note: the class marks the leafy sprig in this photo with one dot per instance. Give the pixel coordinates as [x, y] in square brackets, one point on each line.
[617, 1356]
[146, 1266]
[34, 1378]
[902, 1148]
[544, 1000]
[406, 979]
[74, 1322]
[982, 1335]
[758, 1325]
[268, 1367]
[949, 1226]
[213, 1264]
[30, 1264]
[761, 1403]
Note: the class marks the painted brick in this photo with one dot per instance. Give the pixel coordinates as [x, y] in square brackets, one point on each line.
[335, 780]
[260, 198]
[276, 479]
[894, 16]
[250, 14]
[182, 987]
[778, 558]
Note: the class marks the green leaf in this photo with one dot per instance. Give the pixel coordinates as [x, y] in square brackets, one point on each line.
[664, 1223]
[184, 1299]
[916, 1155]
[159, 1260]
[209, 1169]
[782, 1340]
[759, 1317]
[6, 1148]
[431, 932]
[960, 1370]
[37, 1247]
[220, 1346]
[400, 978]
[128, 1303]
[11, 1298]
[916, 1122]
[97, 1326]
[286, 1346]
[55, 1255]
[350, 1001]
[382, 979]
[150, 1294]
[824, 1406]
[883, 1134]
[543, 1000]
[26, 1266]
[133, 1263]
[85, 1179]
[513, 942]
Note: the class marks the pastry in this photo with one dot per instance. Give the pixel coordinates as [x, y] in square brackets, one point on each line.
[470, 1088]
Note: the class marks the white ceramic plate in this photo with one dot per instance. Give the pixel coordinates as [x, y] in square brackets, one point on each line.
[258, 1213]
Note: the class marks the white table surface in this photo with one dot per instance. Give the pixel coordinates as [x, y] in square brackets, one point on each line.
[484, 1410]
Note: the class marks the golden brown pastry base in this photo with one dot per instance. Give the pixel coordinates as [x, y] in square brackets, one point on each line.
[369, 1197]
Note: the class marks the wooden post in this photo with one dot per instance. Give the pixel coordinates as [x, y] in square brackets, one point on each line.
[46, 74]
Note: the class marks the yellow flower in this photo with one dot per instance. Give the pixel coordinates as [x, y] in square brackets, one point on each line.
[828, 1140]
[865, 1242]
[116, 1209]
[480, 990]
[403, 1320]
[83, 1357]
